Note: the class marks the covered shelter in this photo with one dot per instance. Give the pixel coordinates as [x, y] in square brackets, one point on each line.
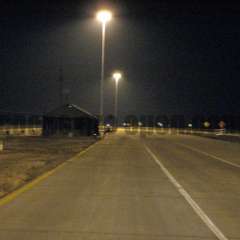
[69, 120]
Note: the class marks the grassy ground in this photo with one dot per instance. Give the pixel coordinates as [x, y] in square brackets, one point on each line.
[25, 158]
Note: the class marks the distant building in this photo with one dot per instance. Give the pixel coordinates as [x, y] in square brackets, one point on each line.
[69, 120]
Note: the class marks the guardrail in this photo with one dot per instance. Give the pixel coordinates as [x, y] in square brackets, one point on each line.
[20, 131]
[216, 132]
[157, 130]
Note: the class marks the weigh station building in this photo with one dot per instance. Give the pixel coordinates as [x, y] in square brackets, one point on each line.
[69, 120]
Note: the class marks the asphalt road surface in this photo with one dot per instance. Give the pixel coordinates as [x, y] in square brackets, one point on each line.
[134, 187]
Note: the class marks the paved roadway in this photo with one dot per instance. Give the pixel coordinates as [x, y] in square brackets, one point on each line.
[134, 187]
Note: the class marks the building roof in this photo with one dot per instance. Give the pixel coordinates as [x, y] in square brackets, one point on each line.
[69, 111]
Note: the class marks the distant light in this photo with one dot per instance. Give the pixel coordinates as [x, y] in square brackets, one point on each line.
[124, 124]
[190, 125]
[160, 124]
[140, 124]
[104, 16]
[206, 124]
[117, 76]
[108, 125]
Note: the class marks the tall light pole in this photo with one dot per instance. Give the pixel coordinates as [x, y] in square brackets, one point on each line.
[103, 16]
[116, 76]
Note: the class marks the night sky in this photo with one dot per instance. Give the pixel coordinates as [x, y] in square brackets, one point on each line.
[177, 58]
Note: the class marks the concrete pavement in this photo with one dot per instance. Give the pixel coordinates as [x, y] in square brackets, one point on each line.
[117, 191]
[209, 170]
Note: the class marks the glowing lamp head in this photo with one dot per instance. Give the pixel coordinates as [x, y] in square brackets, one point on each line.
[117, 76]
[104, 16]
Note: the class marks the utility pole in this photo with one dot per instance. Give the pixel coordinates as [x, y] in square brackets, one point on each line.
[60, 86]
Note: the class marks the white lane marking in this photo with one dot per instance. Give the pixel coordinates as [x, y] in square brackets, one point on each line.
[209, 155]
[217, 232]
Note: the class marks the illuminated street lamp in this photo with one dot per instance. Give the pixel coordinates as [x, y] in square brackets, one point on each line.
[116, 76]
[104, 17]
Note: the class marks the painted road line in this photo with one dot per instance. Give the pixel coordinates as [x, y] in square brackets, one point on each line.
[11, 196]
[209, 223]
[209, 155]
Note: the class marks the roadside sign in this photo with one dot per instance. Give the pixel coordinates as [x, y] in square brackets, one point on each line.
[222, 124]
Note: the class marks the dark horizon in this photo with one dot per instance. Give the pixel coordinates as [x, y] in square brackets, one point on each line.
[176, 58]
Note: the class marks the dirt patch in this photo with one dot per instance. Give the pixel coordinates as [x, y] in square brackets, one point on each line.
[25, 158]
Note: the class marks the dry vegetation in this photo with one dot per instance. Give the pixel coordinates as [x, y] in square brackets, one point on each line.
[24, 158]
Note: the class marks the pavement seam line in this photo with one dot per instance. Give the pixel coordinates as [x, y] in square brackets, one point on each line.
[26, 187]
[209, 155]
[208, 222]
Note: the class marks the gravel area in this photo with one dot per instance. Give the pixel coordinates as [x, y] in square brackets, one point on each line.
[25, 158]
